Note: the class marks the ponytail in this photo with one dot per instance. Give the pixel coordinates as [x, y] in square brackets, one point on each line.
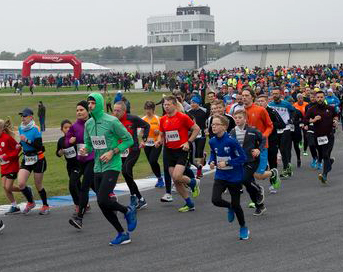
[7, 127]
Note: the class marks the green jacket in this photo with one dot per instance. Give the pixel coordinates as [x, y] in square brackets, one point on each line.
[102, 133]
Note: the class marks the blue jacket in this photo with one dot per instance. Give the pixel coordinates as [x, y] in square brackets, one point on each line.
[229, 150]
[333, 101]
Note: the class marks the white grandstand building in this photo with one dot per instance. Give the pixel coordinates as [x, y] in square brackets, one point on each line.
[288, 55]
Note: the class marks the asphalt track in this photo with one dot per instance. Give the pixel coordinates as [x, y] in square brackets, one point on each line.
[301, 231]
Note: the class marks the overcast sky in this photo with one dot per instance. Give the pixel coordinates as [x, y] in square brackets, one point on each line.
[80, 24]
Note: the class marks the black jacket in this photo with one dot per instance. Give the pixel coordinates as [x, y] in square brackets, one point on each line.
[253, 139]
[278, 123]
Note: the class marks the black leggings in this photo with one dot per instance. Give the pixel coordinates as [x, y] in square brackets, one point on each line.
[296, 139]
[74, 183]
[285, 146]
[127, 171]
[219, 187]
[87, 171]
[104, 185]
[167, 177]
[249, 182]
[272, 154]
[326, 152]
[305, 139]
[198, 147]
[153, 153]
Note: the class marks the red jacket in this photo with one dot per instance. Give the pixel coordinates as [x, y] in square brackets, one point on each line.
[9, 151]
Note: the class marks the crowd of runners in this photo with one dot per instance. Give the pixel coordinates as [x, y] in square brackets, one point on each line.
[252, 120]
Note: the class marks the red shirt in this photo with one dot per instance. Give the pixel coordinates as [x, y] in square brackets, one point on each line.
[10, 152]
[176, 129]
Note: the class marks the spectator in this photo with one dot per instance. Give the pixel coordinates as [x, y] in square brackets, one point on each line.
[41, 115]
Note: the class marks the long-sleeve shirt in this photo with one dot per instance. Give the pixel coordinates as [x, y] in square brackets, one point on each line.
[229, 150]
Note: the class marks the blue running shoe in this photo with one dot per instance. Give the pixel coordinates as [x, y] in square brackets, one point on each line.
[319, 166]
[159, 183]
[244, 233]
[121, 239]
[133, 201]
[230, 215]
[314, 164]
[131, 218]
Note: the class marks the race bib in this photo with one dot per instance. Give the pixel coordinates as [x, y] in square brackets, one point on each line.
[2, 162]
[199, 134]
[322, 140]
[279, 131]
[79, 146]
[150, 142]
[172, 136]
[292, 128]
[30, 160]
[125, 153]
[99, 142]
[224, 159]
[69, 152]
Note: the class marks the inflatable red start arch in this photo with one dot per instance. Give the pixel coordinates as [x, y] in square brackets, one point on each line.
[41, 58]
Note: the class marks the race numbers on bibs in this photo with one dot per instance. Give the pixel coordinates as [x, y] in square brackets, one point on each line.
[292, 127]
[30, 160]
[224, 159]
[125, 153]
[2, 162]
[172, 136]
[69, 152]
[322, 140]
[99, 142]
[150, 142]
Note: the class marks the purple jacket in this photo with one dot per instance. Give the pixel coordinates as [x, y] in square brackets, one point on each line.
[76, 130]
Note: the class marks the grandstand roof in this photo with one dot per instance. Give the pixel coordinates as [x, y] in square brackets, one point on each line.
[18, 65]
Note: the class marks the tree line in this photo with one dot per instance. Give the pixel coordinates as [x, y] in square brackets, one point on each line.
[138, 53]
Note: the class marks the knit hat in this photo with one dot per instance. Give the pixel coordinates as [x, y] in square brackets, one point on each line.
[83, 103]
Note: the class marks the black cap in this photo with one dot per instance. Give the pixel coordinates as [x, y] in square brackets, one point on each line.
[83, 103]
[26, 112]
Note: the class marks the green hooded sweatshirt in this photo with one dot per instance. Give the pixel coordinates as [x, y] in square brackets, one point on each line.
[102, 133]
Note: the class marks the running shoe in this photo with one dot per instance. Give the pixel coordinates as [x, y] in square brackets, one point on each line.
[131, 218]
[121, 239]
[323, 178]
[260, 195]
[319, 166]
[272, 189]
[167, 198]
[244, 233]
[301, 145]
[314, 164]
[305, 153]
[290, 170]
[298, 163]
[29, 207]
[13, 210]
[230, 215]
[76, 222]
[113, 196]
[284, 174]
[187, 208]
[173, 189]
[199, 172]
[44, 210]
[141, 204]
[88, 208]
[251, 205]
[133, 201]
[275, 175]
[2, 226]
[159, 183]
[196, 190]
[260, 210]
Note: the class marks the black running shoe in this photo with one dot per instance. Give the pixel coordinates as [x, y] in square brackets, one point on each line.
[260, 210]
[76, 222]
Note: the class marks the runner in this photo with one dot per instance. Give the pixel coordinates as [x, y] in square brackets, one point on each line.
[73, 166]
[102, 133]
[285, 110]
[130, 156]
[174, 128]
[199, 114]
[324, 119]
[33, 160]
[75, 136]
[228, 156]
[9, 160]
[273, 146]
[152, 153]
[252, 142]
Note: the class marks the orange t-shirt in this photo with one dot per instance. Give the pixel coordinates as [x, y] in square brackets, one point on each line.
[258, 118]
[301, 107]
[154, 123]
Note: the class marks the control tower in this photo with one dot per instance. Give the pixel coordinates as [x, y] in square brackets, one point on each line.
[192, 27]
